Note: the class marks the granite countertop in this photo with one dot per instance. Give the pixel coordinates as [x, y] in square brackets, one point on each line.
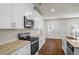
[73, 42]
[12, 46]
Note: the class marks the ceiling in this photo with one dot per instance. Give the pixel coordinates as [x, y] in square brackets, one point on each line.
[61, 9]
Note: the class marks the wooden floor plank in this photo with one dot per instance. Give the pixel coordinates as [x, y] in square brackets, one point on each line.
[52, 47]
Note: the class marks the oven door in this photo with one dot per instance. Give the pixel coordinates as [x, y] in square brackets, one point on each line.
[34, 47]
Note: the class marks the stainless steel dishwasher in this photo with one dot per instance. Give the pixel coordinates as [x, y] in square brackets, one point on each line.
[70, 49]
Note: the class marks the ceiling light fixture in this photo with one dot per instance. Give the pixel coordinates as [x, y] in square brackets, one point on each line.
[52, 10]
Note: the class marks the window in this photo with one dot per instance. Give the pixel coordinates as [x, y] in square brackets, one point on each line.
[51, 29]
[74, 30]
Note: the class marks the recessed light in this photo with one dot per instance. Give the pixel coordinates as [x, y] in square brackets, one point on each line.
[52, 10]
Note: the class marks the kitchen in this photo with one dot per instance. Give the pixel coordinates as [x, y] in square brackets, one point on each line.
[13, 14]
[25, 27]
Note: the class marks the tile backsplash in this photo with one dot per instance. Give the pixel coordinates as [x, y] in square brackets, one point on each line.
[7, 35]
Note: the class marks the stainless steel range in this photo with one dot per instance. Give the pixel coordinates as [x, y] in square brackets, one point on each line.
[34, 41]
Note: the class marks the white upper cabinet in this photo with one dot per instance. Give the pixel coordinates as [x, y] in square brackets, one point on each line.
[4, 15]
[12, 16]
[18, 18]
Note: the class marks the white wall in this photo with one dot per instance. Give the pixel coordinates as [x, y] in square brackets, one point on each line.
[62, 26]
[70, 23]
[11, 35]
[59, 28]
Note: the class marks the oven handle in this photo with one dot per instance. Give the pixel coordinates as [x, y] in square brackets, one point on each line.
[34, 42]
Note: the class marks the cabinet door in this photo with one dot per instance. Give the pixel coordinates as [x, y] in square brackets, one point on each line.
[5, 15]
[41, 42]
[19, 11]
[64, 46]
[26, 50]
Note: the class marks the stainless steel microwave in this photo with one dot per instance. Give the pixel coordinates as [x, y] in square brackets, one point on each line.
[28, 23]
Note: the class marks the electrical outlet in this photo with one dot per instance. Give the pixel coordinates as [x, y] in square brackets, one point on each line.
[13, 24]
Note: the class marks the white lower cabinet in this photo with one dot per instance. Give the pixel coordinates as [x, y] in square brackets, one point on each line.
[26, 50]
[41, 42]
[64, 46]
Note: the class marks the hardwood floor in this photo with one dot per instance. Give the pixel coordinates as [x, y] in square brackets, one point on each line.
[52, 47]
